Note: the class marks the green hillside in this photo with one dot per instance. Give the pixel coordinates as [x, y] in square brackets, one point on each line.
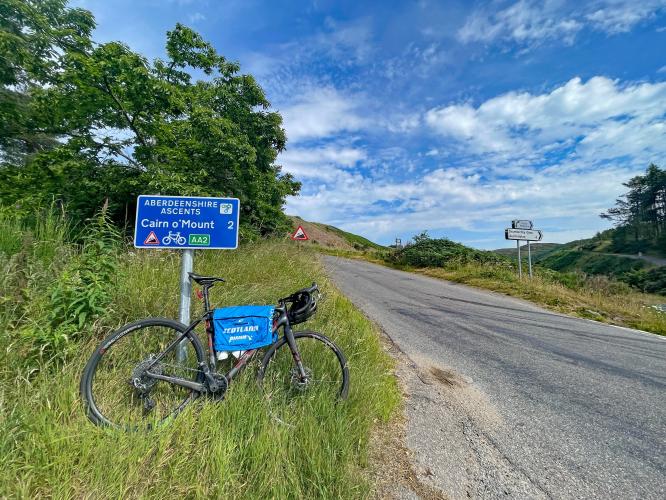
[573, 259]
[641, 274]
[538, 250]
[354, 239]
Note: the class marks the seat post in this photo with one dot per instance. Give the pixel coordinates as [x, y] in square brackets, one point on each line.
[205, 296]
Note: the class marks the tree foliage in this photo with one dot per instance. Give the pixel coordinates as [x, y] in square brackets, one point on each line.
[33, 35]
[126, 126]
[640, 214]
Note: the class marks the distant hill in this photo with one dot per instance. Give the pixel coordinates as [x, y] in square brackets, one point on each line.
[538, 250]
[333, 237]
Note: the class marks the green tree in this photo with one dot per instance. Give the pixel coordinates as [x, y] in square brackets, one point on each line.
[33, 34]
[641, 211]
[128, 126]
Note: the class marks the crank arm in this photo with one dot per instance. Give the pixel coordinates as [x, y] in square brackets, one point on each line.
[195, 386]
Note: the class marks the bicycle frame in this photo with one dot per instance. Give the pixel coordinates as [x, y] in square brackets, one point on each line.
[209, 367]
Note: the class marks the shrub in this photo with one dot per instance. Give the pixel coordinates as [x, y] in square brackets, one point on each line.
[442, 252]
[54, 290]
[650, 281]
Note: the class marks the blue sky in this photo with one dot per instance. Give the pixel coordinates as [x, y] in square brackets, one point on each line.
[455, 117]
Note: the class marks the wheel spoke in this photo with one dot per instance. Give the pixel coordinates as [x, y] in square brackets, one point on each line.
[121, 392]
[325, 371]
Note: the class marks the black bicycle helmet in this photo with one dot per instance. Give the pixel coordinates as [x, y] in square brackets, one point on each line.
[303, 305]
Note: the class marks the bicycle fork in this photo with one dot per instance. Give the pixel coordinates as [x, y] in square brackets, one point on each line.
[295, 354]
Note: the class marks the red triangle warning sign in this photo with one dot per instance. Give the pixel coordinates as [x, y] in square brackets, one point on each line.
[300, 235]
[151, 239]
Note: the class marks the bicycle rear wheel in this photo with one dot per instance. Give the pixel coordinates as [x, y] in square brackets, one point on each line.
[326, 381]
[115, 388]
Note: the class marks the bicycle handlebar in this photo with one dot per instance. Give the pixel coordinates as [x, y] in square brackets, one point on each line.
[310, 290]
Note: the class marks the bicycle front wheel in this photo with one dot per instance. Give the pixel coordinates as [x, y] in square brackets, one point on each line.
[116, 387]
[326, 373]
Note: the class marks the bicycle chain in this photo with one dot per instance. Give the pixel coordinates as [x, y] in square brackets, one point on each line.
[181, 367]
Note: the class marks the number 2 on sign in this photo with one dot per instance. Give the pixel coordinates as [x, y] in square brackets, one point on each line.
[230, 224]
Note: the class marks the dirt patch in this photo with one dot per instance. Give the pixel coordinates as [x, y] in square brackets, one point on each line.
[392, 468]
[446, 377]
[437, 446]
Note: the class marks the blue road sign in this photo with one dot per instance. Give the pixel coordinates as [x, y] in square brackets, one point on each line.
[186, 222]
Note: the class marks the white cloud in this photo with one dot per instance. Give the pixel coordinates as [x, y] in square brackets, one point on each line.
[662, 69]
[595, 120]
[401, 123]
[344, 41]
[448, 199]
[557, 156]
[322, 112]
[524, 22]
[619, 16]
[196, 17]
[530, 22]
[322, 163]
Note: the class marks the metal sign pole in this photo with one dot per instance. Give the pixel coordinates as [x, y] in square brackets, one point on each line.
[529, 257]
[214, 226]
[520, 262]
[186, 266]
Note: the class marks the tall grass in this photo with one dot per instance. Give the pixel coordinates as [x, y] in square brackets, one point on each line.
[229, 449]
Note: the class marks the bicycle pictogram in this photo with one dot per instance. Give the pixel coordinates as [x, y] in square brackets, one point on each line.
[174, 237]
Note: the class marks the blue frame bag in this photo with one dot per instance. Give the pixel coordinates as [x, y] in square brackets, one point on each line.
[241, 328]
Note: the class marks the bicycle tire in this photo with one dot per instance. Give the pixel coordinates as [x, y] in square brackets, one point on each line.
[281, 390]
[105, 355]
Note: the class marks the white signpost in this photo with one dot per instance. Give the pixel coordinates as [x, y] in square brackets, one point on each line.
[521, 224]
[521, 230]
[523, 234]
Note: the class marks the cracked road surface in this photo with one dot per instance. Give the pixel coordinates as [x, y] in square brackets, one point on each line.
[508, 399]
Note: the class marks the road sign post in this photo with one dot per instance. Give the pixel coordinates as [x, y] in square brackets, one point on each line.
[186, 267]
[522, 230]
[186, 223]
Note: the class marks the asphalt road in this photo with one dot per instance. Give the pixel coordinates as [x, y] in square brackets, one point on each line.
[537, 405]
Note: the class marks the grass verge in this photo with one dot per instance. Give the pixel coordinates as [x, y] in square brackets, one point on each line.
[623, 307]
[232, 449]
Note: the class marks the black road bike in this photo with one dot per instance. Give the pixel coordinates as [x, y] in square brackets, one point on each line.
[149, 370]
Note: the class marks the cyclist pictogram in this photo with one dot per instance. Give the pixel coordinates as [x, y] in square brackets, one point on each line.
[175, 238]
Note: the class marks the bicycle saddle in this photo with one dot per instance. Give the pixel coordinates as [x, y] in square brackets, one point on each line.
[204, 280]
